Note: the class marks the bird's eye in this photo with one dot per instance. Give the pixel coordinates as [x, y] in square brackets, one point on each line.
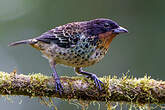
[106, 25]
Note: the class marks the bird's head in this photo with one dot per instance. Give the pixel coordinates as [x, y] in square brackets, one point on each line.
[102, 25]
[104, 29]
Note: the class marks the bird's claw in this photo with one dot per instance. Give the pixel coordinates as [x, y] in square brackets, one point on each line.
[96, 81]
[58, 86]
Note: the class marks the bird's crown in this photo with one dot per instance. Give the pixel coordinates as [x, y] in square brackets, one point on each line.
[99, 26]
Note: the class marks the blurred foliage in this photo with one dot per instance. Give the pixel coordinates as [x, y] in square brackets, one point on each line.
[141, 51]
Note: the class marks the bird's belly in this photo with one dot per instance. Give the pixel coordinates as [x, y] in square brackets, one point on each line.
[75, 57]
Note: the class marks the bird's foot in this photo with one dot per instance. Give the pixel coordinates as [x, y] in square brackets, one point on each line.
[96, 81]
[58, 86]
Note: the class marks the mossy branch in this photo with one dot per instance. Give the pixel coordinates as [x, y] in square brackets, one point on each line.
[125, 89]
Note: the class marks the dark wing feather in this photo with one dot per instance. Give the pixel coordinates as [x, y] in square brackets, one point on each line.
[63, 37]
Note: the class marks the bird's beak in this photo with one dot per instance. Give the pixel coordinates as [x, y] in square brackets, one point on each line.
[119, 30]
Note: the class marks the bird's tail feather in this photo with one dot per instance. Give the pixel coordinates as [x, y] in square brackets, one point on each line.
[29, 41]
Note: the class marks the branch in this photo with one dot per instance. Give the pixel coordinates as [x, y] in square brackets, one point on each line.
[125, 89]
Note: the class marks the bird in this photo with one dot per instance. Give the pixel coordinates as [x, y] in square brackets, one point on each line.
[77, 44]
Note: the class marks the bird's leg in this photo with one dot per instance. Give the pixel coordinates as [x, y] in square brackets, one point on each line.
[58, 85]
[90, 75]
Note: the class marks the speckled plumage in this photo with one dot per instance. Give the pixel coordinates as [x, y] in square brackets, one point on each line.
[77, 44]
[72, 45]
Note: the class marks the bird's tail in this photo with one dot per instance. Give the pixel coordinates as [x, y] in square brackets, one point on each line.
[29, 41]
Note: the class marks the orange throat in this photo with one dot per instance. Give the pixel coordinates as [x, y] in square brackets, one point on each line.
[106, 39]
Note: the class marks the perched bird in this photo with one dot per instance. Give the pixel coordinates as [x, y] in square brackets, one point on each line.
[76, 44]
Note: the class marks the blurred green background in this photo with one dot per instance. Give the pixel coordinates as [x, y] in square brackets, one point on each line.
[141, 51]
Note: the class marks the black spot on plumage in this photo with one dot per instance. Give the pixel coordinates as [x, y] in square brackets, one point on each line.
[97, 53]
[86, 45]
[60, 53]
[94, 41]
[74, 33]
[86, 59]
[76, 48]
[68, 28]
[64, 54]
[89, 39]
[78, 55]
[77, 60]
[74, 40]
[79, 51]
[64, 45]
[81, 63]
[81, 46]
[83, 52]
[101, 47]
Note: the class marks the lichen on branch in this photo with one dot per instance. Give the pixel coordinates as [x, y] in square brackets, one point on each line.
[126, 89]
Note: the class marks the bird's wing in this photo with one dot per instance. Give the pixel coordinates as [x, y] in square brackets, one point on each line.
[65, 36]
